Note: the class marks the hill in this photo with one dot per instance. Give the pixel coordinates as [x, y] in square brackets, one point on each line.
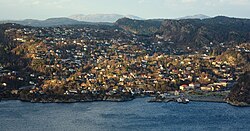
[101, 17]
[238, 56]
[52, 22]
[193, 32]
[198, 16]
[240, 93]
[144, 27]
[7, 58]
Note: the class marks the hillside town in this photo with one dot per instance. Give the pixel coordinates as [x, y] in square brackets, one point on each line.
[88, 63]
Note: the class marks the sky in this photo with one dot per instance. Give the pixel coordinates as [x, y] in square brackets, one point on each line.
[43, 9]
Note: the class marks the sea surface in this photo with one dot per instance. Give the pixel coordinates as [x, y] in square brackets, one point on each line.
[118, 116]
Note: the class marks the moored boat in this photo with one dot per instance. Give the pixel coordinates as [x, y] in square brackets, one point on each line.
[182, 100]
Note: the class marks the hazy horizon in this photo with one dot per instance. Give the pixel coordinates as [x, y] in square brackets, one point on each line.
[148, 9]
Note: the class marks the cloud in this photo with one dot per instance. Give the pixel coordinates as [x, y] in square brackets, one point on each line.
[141, 1]
[188, 1]
[240, 2]
[209, 2]
[144, 1]
[45, 3]
[36, 2]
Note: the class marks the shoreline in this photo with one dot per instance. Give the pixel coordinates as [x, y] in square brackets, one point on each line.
[192, 98]
[200, 98]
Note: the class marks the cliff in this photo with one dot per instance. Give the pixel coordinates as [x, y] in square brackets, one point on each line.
[240, 93]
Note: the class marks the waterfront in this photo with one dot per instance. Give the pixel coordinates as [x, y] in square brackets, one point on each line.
[133, 115]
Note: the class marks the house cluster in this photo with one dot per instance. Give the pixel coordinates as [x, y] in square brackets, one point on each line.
[73, 60]
[10, 79]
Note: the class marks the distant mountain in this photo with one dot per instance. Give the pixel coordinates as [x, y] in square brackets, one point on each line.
[44, 23]
[102, 17]
[198, 16]
[193, 32]
[52, 22]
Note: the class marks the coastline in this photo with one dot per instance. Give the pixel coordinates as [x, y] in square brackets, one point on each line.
[238, 104]
[200, 98]
[69, 98]
[77, 98]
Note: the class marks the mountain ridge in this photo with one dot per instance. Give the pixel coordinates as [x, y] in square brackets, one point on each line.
[101, 17]
[197, 16]
[59, 21]
[189, 31]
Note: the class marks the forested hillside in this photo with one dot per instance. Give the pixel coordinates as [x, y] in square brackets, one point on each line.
[192, 32]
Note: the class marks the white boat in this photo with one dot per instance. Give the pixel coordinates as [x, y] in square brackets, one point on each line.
[182, 100]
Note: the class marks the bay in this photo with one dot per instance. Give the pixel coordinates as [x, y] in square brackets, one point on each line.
[132, 115]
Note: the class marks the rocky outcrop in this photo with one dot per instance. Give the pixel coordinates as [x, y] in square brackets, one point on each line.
[74, 98]
[240, 93]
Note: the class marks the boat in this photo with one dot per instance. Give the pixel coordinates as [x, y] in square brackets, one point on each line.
[182, 100]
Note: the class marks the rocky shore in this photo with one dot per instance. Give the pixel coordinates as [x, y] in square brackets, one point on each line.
[237, 103]
[160, 99]
[73, 99]
[203, 98]
[199, 98]
[240, 93]
[34, 98]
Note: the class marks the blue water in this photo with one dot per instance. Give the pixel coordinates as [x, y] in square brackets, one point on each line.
[134, 115]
